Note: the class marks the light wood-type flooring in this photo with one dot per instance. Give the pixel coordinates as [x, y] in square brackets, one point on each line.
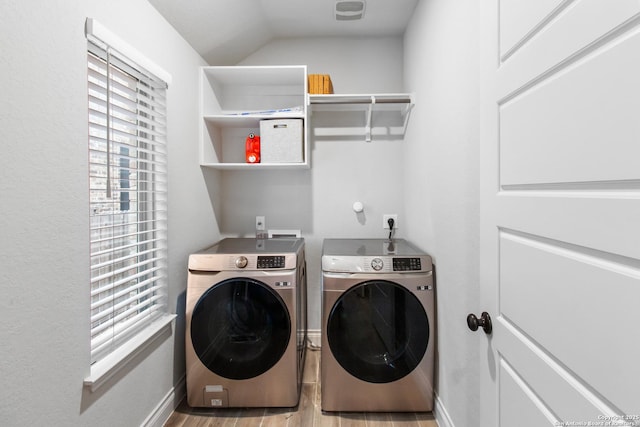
[306, 414]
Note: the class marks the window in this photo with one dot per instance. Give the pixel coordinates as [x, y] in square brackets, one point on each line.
[128, 203]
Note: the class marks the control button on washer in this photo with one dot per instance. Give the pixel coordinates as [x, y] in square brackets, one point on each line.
[377, 264]
[241, 262]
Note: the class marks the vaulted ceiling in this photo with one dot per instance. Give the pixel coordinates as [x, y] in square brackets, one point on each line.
[226, 31]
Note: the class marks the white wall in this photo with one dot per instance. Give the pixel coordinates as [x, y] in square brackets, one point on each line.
[319, 200]
[442, 194]
[44, 226]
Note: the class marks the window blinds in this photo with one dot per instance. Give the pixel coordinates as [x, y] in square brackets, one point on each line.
[128, 198]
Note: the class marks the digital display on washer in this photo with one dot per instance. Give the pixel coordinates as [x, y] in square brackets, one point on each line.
[273, 261]
[406, 264]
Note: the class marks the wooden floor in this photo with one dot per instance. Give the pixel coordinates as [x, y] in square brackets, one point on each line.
[306, 414]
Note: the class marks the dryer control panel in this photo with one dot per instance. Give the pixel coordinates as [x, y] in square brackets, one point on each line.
[373, 256]
[379, 265]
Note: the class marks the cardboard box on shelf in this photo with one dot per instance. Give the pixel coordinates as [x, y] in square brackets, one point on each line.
[320, 84]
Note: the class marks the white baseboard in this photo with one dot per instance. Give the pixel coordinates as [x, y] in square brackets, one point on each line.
[442, 416]
[165, 408]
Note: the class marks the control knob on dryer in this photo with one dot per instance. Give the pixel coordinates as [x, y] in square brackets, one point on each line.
[377, 264]
[241, 262]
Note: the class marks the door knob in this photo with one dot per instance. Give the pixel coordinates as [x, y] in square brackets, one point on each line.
[483, 322]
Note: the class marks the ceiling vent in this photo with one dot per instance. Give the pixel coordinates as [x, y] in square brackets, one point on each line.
[349, 10]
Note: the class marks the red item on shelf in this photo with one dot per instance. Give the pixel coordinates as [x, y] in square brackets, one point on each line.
[252, 148]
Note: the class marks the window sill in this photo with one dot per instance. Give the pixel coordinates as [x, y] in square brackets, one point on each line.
[106, 368]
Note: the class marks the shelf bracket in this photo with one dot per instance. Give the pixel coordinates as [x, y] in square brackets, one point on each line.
[406, 114]
[367, 130]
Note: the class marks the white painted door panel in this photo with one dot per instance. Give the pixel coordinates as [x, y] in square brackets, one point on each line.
[576, 305]
[583, 217]
[561, 37]
[560, 192]
[523, 17]
[545, 377]
[576, 117]
[525, 409]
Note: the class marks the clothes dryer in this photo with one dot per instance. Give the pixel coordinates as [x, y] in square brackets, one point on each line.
[378, 335]
[246, 323]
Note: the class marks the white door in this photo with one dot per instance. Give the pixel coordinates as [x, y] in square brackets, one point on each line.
[560, 240]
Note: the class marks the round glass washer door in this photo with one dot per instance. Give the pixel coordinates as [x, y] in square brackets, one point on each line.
[378, 331]
[240, 328]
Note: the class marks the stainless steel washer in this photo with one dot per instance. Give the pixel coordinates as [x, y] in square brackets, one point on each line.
[378, 331]
[246, 323]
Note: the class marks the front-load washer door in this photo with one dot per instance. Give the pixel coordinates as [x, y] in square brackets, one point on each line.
[378, 331]
[240, 328]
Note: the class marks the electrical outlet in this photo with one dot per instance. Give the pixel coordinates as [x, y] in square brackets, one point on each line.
[260, 223]
[385, 221]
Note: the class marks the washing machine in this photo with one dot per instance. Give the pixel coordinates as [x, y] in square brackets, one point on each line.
[378, 326]
[246, 323]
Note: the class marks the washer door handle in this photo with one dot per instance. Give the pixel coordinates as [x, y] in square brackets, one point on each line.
[484, 322]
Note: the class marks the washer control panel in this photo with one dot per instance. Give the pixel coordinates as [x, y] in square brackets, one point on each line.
[377, 264]
[396, 264]
[251, 262]
[271, 261]
[406, 264]
[375, 256]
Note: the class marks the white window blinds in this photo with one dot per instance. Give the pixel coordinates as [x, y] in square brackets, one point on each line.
[128, 203]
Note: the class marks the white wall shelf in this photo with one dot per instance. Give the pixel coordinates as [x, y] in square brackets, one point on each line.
[233, 101]
[389, 111]
[355, 99]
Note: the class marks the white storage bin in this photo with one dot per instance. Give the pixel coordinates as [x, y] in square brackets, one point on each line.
[281, 141]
